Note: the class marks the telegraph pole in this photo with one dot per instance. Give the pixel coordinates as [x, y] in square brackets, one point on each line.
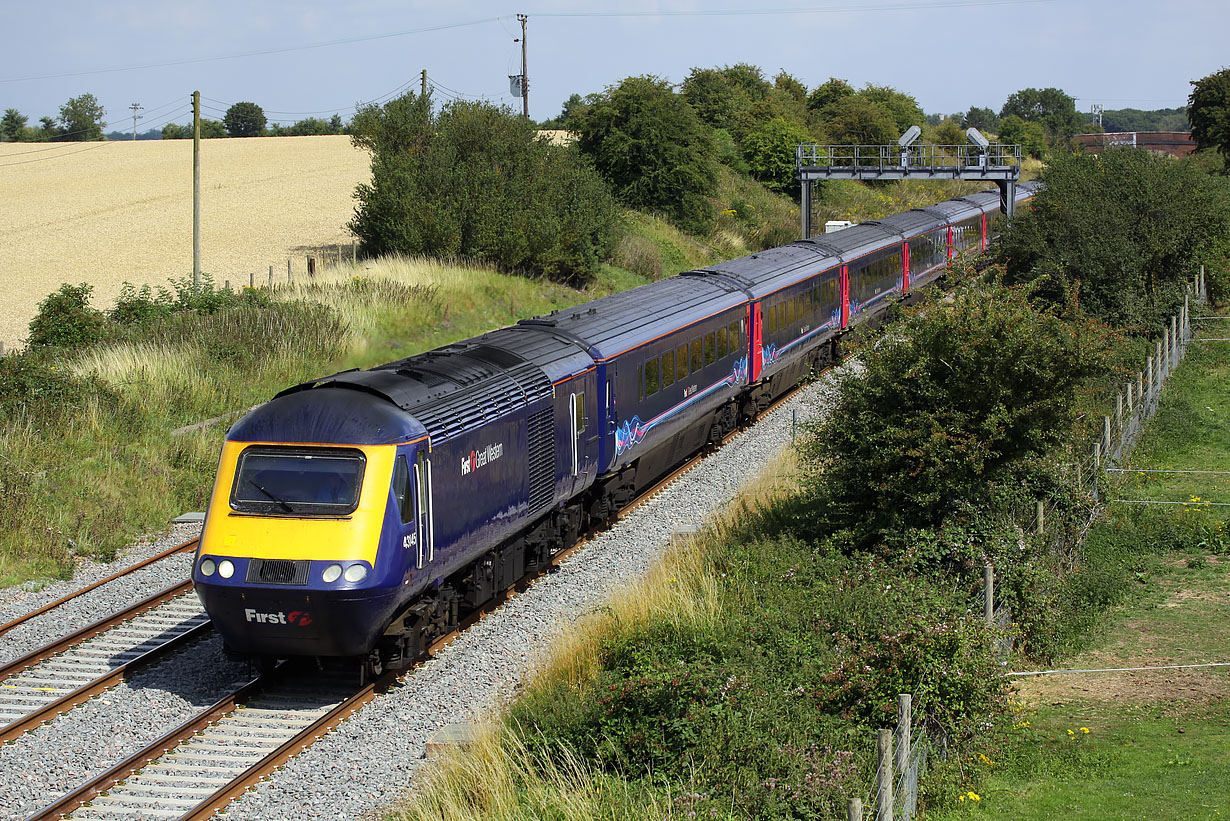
[196, 188]
[135, 108]
[525, 77]
[423, 82]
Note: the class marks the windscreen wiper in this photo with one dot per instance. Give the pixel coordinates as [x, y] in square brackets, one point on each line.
[281, 502]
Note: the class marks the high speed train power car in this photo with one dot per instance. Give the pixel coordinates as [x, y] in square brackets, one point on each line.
[359, 515]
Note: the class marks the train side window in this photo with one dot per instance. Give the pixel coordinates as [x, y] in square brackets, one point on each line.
[722, 348]
[710, 357]
[651, 377]
[698, 360]
[668, 369]
[781, 316]
[770, 320]
[809, 302]
[401, 489]
[681, 363]
[736, 341]
[790, 311]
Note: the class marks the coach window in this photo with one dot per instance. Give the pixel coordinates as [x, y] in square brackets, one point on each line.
[782, 322]
[651, 377]
[681, 363]
[582, 419]
[722, 347]
[710, 358]
[770, 319]
[698, 360]
[736, 342]
[668, 369]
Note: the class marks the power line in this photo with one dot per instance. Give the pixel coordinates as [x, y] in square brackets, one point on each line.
[259, 53]
[924, 6]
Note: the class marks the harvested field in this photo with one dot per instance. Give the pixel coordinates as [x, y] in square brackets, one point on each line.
[104, 213]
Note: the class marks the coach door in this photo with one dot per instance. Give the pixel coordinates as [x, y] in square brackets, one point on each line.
[845, 297]
[753, 334]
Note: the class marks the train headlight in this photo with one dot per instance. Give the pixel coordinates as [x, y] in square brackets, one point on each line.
[356, 573]
[226, 568]
[208, 566]
[332, 573]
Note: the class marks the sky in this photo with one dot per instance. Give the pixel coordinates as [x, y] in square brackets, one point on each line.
[320, 57]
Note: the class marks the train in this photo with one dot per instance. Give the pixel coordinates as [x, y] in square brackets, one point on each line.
[357, 517]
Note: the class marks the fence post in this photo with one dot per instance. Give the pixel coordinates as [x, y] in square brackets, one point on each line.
[854, 809]
[884, 795]
[339, 255]
[1130, 407]
[1149, 374]
[1174, 342]
[988, 587]
[1158, 367]
[288, 276]
[905, 709]
[1097, 459]
[251, 279]
[1119, 410]
[1140, 389]
[227, 284]
[311, 267]
[270, 276]
[1041, 511]
[1106, 435]
[1166, 347]
[354, 251]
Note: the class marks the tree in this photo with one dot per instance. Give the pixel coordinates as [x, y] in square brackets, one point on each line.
[724, 97]
[175, 131]
[567, 115]
[948, 132]
[983, 119]
[212, 129]
[903, 108]
[1029, 136]
[475, 181]
[1119, 233]
[828, 93]
[244, 120]
[949, 412]
[1054, 110]
[654, 151]
[1208, 109]
[856, 120]
[12, 125]
[312, 126]
[81, 118]
[769, 150]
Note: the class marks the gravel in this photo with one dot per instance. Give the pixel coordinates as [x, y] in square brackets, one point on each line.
[86, 609]
[369, 761]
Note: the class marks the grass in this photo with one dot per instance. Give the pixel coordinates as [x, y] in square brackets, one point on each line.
[1159, 741]
[123, 211]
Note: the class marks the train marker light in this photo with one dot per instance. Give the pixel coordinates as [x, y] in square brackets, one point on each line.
[226, 568]
[208, 566]
[356, 573]
[332, 573]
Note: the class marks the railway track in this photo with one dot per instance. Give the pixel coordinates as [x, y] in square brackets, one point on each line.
[202, 765]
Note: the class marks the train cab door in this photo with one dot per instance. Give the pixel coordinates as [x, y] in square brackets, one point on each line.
[757, 346]
[583, 432]
[424, 537]
[905, 267]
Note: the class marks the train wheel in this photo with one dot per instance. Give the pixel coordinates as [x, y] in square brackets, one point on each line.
[373, 666]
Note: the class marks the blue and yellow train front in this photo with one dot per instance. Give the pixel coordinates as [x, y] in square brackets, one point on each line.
[308, 540]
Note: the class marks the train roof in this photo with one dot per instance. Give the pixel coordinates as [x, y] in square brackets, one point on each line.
[853, 242]
[910, 223]
[617, 323]
[448, 390]
[954, 210]
[768, 271]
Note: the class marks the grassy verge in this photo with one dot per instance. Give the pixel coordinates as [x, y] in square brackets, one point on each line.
[1159, 741]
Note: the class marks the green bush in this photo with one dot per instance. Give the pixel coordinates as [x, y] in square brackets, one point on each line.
[65, 319]
[475, 181]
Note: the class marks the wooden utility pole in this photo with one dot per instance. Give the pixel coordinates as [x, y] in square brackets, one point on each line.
[423, 83]
[196, 188]
[525, 77]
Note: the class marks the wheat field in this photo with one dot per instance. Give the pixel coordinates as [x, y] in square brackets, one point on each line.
[108, 212]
